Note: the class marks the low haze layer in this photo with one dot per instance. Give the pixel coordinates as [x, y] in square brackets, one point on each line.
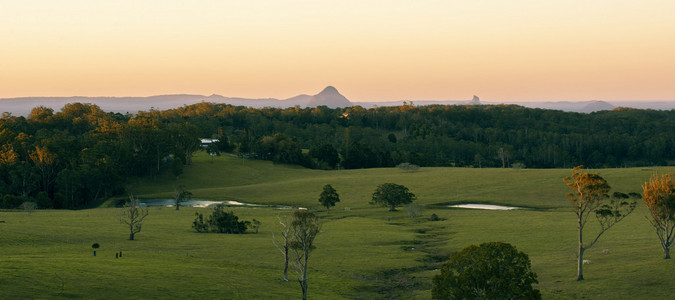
[329, 97]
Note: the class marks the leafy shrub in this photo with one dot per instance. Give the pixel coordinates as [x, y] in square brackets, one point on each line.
[199, 224]
[434, 217]
[219, 221]
[492, 270]
[408, 167]
[11, 201]
[28, 206]
[414, 210]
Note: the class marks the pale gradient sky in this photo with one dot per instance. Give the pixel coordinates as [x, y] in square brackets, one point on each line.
[370, 50]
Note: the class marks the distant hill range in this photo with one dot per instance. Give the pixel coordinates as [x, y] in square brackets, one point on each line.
[329, 97]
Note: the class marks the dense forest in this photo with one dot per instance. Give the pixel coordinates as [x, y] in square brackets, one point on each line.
[77, 156]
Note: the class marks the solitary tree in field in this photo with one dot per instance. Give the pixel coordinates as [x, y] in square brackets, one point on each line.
[589, 193]
[329, 197]
[305, 227]
[392, 195]
[284, 244]
[133, 216]
[180, 194]
[255, 225]
[490, 271]
[659, 196]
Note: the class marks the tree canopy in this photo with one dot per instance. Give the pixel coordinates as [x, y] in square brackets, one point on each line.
[492, 270]
[392, 195]
[659, 196]
[328, 196]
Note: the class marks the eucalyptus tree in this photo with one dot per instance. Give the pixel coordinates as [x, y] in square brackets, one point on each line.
[589, 193]
[659, 196]
[305, 227]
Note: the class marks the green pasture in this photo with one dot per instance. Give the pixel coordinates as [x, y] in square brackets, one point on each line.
[262, 182]
[363, 251]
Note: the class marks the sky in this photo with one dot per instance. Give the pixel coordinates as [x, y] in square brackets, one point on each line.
[370, 50]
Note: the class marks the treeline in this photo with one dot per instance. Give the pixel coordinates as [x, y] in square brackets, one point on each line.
[73, 157]
[463, 136]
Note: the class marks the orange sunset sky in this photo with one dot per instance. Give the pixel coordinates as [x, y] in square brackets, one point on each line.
[370, 50]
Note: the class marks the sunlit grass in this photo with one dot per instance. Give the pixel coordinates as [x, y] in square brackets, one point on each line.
[362, 252]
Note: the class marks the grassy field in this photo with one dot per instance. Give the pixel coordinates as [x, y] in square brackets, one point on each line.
[363, 251]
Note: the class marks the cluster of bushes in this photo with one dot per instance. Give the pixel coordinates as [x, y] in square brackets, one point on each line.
[221, 221]
[41, 200]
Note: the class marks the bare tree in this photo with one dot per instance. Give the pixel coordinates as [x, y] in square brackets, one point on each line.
[502, 156]
[133, 216]
[659, 196]
[414, 210]
[305, 227]
[284, 244]
[28, 206]
[588, 194]
[479, 159]
[180, 194]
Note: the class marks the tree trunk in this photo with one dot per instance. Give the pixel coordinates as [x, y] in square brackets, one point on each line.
[303, 286]
[188, 157]
[393, 208]
[580, 257]
[304, 276]
[666, 253]
[580, 264]
[286, 261]
[131, 236]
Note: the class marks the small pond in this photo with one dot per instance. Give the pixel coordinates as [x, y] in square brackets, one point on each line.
[205, 203]
[193, 203]
[484, 206]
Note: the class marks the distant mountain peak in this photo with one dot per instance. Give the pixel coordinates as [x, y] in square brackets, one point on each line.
[329, 90]
[596, 105]
[329, 97]
[475, 100]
